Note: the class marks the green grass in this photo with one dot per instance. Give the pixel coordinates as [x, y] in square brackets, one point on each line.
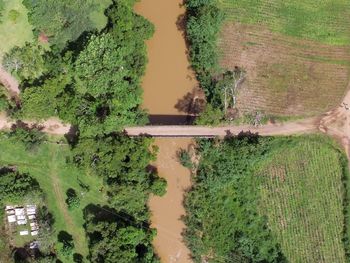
[14, 33]
[48, 165]
[302, 197]
[327, 21]
[98, 17]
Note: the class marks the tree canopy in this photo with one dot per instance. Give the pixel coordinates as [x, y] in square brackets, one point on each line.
[61, 21]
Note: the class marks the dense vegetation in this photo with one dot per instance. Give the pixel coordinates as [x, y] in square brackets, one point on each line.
[247, 203]
[204, 21]
[61, 21]
[90, 77]
[96, 85]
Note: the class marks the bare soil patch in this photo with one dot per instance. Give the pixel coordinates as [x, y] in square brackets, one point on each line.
[285, 76]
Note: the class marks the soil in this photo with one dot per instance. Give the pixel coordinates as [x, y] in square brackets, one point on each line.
[285, 76]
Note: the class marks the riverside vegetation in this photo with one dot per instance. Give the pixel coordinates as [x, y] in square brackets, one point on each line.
[282, 199]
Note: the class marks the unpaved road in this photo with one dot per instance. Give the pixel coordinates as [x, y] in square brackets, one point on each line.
[51, 126]
[10, 83]
[288, 128]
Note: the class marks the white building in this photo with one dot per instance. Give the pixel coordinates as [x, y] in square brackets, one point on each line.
[23, 233]
[11, 219]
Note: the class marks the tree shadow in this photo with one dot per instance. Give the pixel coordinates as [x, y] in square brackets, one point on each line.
[251, 137]
[78, 258]
[25, 126]
[72, 136]
[192, 103]
[64, 237]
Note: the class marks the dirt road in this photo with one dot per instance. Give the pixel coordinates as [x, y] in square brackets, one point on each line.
[51, 126]
[10, 83]
[288, 128]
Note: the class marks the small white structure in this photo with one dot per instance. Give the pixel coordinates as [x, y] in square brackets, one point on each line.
[31, 217]
[31, 209]
[21, 217]
[11, 219]
[19, 211]
[34, 233]
[21, 222]
[23, 233]
[10, 212]
[9, 207]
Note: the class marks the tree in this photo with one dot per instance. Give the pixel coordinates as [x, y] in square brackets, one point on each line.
[62, 21]
[115, 237]
[66, 243]
[15, 186]
[30, 137]
[26, 62]
[73, 200]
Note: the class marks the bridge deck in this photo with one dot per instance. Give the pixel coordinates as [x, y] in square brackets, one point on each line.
[305, 126]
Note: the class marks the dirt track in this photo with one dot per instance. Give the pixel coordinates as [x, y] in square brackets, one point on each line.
[10, 83]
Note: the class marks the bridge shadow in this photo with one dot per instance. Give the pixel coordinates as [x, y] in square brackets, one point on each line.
[163, 119]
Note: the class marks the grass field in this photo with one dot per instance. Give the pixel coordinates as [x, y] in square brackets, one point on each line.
[302, 197]
[296, 54]
[14, 32]
[48, 166]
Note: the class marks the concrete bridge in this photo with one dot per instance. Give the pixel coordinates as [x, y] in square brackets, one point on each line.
[297, 127]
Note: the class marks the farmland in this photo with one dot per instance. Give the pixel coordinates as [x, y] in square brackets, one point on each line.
[295, 53]
[302, 196]
[268, 200]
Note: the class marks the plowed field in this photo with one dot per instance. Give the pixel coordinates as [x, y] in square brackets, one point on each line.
[298, 68]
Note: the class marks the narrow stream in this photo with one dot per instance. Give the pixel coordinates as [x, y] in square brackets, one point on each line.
[167, 85]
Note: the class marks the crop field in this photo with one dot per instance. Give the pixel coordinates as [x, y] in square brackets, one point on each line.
[296, 54]
[48, 166]
[302, 197]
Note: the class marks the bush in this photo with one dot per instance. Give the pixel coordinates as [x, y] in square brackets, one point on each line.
[32, 138]
[13, 15]
[185, 158]
[73, 200]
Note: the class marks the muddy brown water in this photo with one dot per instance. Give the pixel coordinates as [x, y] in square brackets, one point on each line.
[168, 75]
[167, 84]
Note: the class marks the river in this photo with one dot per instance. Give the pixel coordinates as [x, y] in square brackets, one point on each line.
[168, 84]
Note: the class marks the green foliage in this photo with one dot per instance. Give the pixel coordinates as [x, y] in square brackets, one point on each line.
[122, 162]
[14, 186]
[26, 62]
[210, 116]
[66, 243]
[262, 200]
[13, 15]
[96, 87]
[4, 104]
[185, 158]
[61, 21]
[222, 209]
[115, 237]
[203, 27]
[30, 137]
[204, 21]
[73, 200]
